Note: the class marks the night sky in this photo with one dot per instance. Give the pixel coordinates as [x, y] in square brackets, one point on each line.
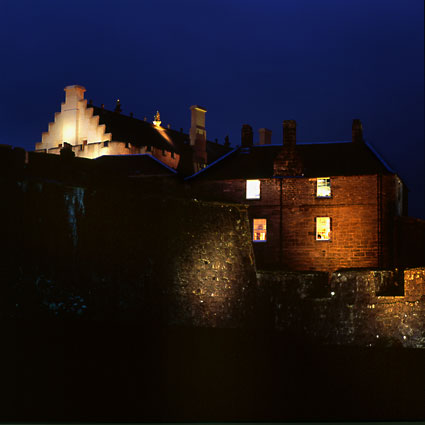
[321, 63]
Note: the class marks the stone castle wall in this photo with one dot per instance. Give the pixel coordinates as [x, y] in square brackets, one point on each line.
[110, 252]
[352, 309]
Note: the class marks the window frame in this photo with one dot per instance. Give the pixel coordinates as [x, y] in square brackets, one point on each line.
[261, 230]
[317, 188]
[316, 233]
[246, 189]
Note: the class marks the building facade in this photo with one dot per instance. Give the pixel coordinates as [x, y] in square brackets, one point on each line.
[321, 206]
[313, 206]
[92, 131]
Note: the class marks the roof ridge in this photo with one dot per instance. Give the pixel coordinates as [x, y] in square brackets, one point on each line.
[213, 163]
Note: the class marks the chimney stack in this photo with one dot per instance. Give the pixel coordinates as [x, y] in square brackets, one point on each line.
[247, 136]
[289, 133]
[198, 136]
[357, 131]
[265, 136]
[73, 94]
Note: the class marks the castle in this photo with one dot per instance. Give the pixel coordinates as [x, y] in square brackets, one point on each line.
[308, 240]
[317, 207]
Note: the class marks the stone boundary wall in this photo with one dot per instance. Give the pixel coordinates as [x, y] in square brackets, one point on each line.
[350, 310]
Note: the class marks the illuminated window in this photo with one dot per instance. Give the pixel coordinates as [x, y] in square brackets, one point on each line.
[324, 187]
[260, 230]
[253, 189]
[323, 228]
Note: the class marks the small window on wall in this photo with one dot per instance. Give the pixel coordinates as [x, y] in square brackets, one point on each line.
[324, 187]
[253, 189]
[323, 228]
[260, 230]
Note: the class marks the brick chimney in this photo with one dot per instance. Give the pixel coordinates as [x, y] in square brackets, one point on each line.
[289, 133]
[357, 131]
[288, 161]
[198, 136]
[265, 136]
[247, 136]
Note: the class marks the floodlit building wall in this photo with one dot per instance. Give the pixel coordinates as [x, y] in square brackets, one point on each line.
[95, 150]
[360, 212]
[74, 124]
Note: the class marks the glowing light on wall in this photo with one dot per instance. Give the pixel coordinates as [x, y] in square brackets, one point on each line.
[253, 189]
[164, 134]
[68, 134]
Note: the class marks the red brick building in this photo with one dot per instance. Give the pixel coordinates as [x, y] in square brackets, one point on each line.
[318, 206]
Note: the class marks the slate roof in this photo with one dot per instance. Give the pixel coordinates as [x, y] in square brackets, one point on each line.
[142, 133]
[133, 165]
[319, 159]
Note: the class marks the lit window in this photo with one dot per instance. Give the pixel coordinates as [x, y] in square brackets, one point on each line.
[260, 230]
[253, 189]
[323, 228]
[324, 187]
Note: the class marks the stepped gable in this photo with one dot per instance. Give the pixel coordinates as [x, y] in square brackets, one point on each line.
[319, 159]
[142, 133]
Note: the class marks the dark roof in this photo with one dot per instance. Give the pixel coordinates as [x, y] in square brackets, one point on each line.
[142, 133]
[139, 133]
[133, 165]
[319, 159]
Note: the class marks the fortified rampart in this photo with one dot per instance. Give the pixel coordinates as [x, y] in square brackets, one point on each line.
[352, 309]
[110, 253]
[82, 247]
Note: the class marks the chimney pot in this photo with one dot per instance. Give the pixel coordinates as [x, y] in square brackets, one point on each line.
[265, 136]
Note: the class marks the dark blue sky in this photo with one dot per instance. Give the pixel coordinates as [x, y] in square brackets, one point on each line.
[321, 63]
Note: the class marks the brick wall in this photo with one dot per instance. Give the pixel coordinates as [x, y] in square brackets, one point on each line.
[291, 206]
